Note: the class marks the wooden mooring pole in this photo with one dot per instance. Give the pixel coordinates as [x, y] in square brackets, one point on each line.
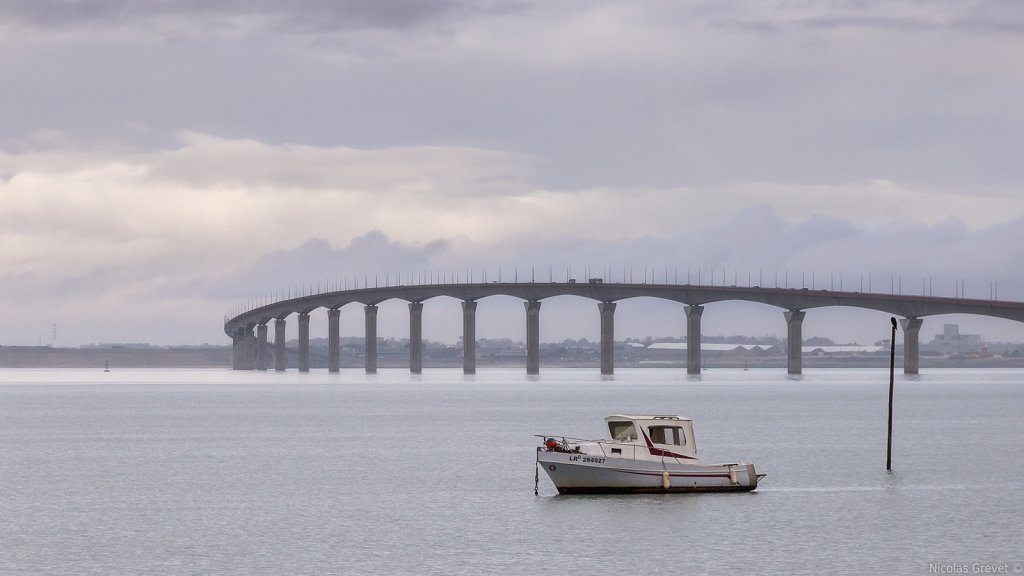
[892, 376]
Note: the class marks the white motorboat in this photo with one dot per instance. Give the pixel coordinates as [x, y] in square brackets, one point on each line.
[642, 454]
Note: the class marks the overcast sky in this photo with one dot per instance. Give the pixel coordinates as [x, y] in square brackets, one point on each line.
[162, 161]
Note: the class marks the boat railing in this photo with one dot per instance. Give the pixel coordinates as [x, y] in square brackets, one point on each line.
[622, 447]
[564, 442]
[565, 445]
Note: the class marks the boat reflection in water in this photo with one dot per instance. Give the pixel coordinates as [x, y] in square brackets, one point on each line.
[643, 454]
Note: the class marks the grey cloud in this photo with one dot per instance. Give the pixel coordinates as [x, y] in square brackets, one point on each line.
[295, 16]
[819, 230]
[771, 111]
[367, 258]
[152, 282]
[755, 243]
[170, 277]
[327, 15]
[876, 22]
[827, 22]
[981, 17]
[992, 24]
[991, 16]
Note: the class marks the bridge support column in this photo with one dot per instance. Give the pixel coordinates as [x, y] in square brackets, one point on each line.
[416, 337]
[261, 347]
[911, 340]
[243, 350]
[469, 337]
[371, 338]
[532, 336]
[280, 355]
[249, 362]
[251, 350]
[693, 314]
[303, 342]
[607, 310]
[795, 341]
[333, 340]
[237, 343]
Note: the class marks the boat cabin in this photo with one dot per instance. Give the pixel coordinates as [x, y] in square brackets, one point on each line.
[670, 436]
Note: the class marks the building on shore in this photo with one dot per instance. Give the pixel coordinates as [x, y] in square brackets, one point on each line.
[952, 343]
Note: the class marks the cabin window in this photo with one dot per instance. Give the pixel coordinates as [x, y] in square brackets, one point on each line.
[624, 431]
[667, 435]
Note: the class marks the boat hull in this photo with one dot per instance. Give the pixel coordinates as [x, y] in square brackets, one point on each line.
[574, 473]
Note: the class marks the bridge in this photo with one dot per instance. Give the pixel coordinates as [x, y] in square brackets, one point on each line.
[251, 350]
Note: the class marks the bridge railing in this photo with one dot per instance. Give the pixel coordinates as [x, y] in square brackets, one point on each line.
[674, 276]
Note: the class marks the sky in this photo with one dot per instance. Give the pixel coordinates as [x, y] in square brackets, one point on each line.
[162, 162]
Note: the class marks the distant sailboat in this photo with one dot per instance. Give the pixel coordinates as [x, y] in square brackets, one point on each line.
[106, 366]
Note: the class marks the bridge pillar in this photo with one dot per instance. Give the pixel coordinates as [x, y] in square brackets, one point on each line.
[236, 348]
[693, 314]
[280, 356]
[469, 337]
[249, 362]
[607, 310]
[795, 340]
[261, 347]
[416, 337]
[253, 349]
[243, 350]
[911, 340]
[333, 340]
[371, 338]
[303, 342]
[532, 336]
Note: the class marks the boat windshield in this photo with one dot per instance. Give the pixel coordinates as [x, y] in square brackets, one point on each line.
[667, 435]
[624, 431]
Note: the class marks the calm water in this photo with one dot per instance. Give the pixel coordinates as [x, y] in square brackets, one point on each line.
[219, 472]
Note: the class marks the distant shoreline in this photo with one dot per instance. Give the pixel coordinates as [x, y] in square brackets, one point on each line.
[220, 357]
[96, 357]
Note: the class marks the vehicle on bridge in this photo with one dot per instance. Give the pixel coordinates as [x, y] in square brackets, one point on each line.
[642, 454]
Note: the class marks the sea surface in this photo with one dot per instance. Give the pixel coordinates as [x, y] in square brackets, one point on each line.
[202, 472]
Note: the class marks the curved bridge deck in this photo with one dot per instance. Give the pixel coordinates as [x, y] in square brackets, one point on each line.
[252, 352]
